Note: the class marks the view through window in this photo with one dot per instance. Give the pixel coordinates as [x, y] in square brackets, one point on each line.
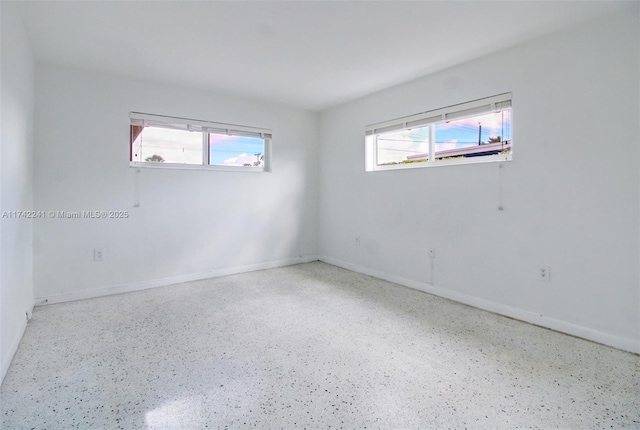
[172, 142]
[477, 129]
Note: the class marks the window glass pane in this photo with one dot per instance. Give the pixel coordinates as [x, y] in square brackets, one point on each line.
[403, 146]
[164, 145]
[480, 135]
[225, 150]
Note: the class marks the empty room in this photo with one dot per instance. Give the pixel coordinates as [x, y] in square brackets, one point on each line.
[320, 214]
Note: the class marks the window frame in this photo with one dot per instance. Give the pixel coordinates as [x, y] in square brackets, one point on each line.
[431, 118]
[204, 128]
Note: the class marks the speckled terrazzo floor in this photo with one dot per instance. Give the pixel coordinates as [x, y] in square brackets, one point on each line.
[307, 346]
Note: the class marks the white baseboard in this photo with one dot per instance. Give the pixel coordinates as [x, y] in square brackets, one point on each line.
[619, 342]
[7, 356]
[154, 283]
[623, 343]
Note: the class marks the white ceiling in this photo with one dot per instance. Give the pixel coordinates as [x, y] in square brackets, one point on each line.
[306, 54]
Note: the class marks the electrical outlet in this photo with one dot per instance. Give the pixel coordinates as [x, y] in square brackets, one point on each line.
[98, 254]
[544, 273]
[357, 240]
[432, 253]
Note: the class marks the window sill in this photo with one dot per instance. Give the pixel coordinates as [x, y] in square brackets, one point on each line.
[177, 166]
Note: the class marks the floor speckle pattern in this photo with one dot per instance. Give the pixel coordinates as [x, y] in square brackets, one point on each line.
[308, 346]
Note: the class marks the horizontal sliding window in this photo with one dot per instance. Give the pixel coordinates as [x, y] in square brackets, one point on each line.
[470, 132]
[160, 141]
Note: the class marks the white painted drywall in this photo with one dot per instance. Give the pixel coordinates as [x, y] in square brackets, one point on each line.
[189, 223]
[16, 181]
[570, 196]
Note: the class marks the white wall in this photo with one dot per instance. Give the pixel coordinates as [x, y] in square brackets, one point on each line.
[16, 187]
[570, 195]
[190, 224]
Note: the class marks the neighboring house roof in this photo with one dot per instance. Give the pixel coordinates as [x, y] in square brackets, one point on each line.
[469, 151]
